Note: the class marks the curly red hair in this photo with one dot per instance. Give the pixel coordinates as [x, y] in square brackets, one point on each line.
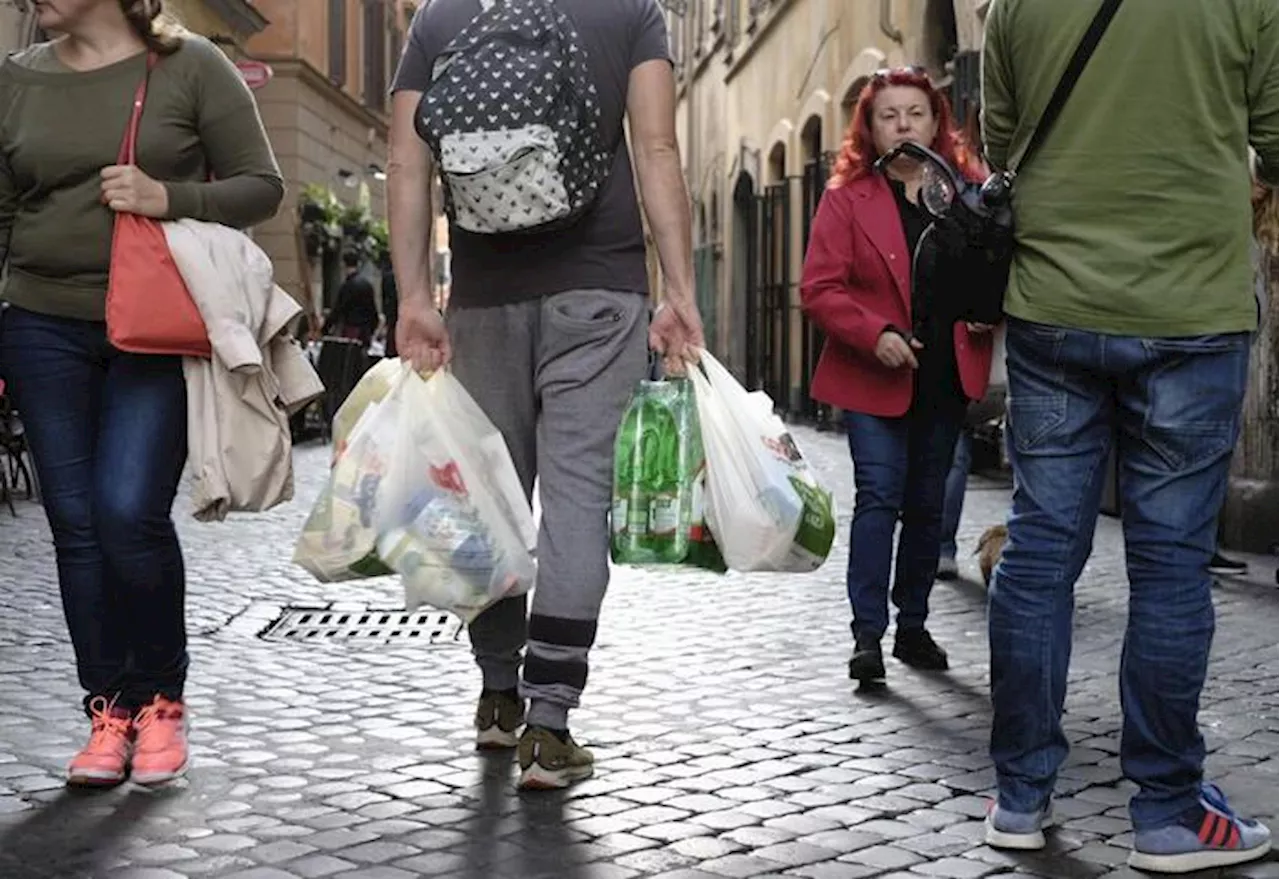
[858, 151]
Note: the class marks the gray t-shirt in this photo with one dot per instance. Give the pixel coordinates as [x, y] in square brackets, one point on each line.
[605, 248]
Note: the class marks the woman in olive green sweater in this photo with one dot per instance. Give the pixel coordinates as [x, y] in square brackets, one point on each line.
[107, 429]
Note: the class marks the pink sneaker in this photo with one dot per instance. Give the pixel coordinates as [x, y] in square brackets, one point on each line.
[104, 761]
[160, 749]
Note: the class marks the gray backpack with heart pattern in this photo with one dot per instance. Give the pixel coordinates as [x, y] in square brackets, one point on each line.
[513, 120]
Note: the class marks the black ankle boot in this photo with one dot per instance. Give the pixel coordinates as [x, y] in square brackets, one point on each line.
[916, 648]
[867, 663]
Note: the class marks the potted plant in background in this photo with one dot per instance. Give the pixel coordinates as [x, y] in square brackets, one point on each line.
[356, 222]
[320, 216]
[379, 243]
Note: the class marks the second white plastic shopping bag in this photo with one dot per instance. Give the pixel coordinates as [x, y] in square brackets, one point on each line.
[765, 507]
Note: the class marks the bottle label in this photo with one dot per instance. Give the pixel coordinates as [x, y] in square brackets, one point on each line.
[664, 516]
[637, 517]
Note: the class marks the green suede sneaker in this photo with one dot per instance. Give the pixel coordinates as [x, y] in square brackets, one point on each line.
[551, 760]
[499, 717]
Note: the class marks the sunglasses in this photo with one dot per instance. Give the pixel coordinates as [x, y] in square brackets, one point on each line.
[907, 70]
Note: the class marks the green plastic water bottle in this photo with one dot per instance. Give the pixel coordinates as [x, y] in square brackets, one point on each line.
[652, 496]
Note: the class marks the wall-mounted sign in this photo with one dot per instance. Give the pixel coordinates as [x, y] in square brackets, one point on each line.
[256, 74]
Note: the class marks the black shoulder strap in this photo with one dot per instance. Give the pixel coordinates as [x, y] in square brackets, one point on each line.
[1070, 76]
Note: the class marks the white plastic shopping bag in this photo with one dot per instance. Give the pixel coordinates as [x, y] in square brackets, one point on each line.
[765, 508]
[454, 520]
[424, 486]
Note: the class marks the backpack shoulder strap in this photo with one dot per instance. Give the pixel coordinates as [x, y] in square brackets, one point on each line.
[1070, 76]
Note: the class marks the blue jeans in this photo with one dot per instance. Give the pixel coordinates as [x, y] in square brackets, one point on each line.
[899, 470]
[1173, 408]
[953, 502]
[108, 436]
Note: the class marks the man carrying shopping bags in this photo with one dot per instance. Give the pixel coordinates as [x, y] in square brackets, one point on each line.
[548, 312]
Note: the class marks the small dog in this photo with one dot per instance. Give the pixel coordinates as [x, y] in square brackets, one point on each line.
[990, 546]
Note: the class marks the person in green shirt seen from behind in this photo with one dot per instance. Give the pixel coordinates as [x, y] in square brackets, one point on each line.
[1130, 310]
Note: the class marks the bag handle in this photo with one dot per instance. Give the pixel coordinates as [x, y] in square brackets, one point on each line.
[128, 154]
[1070, 77]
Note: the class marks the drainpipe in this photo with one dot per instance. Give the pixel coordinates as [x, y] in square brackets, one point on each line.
[886, 22]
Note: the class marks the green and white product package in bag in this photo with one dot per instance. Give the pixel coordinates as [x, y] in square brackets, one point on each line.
[765, 507]
[453, 519]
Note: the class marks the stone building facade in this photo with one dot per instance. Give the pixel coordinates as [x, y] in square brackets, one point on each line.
[233, 20]
[325, 109]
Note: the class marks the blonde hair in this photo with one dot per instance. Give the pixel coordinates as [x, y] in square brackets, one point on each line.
[162, 34]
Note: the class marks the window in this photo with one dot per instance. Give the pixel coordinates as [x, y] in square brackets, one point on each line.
[375, 54]
[338, 41]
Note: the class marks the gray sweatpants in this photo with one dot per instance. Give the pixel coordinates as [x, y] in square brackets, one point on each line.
[554, 375]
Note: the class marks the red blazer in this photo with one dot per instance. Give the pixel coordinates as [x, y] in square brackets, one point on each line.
[856, 283]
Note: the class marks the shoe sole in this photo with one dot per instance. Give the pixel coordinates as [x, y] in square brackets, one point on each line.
[495, 738]
[538, 777]
[95, 778]
[1190, 862]
[1228, 572]
[151, 779]
[877, 676]
[1021, 842]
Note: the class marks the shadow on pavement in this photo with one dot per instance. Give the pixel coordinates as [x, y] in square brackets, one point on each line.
[883, 691]
[518, 836]
[74, 833]
[1060, 858]
[488, 846]
[550, 847]
[1245, 586]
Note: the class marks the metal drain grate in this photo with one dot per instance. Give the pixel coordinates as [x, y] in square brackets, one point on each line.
[302, 624]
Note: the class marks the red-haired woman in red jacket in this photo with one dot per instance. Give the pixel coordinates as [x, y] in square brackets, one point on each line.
[900, 367]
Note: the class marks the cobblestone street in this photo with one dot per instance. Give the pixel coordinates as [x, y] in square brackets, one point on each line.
[729, 741]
